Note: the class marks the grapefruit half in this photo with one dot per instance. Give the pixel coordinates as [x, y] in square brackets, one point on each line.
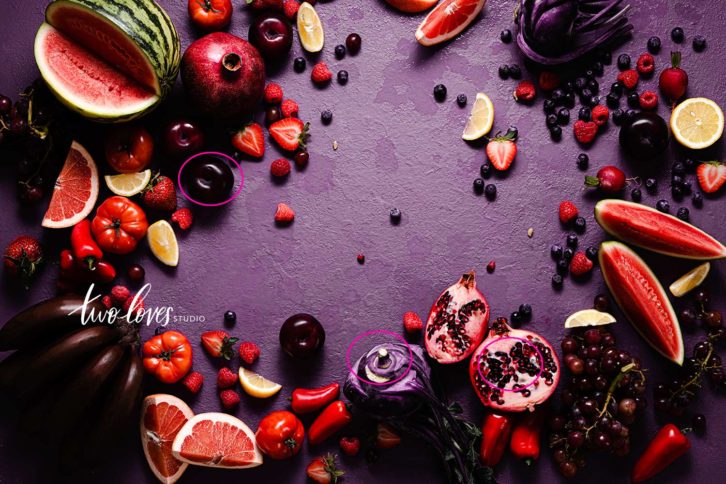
[448, 19]
[217, 440]
[75, 192]
[162, 416]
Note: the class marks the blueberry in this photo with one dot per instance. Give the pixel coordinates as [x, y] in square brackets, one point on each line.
[605, 56]
[679, 168]
[506, 36]
[616, 87]
[555, 133]
[683, 214]
[592, 101]
[569, 86]
[343, 77]
[584, 114]
[630, 113]
[563, 116]
[557, 280]
[697, 199]
[677, 192]
[299, 64]
[515, 317]
[556, 251]
[580, 224]
[551, 120]
[515, 72]
[504, 72]
[439, 92]
[572, 240]
[590, 74]
[597, 68]
[485, 170]
[676, 180]
[612, 100]
[490, 191]
[687, 187]
[558, 95]
[634, 100]
[339, 51]
[525, 310]
[585, 93]
[677, 35]
[651, 185]
[230, 317]
[548, 106]
[591, 253]
[623, 62]
[580, 83]
[479, 186]
[563, 266]
[663, 206]
[593, 85]
[326, 116]
[583, 161]
[461, 100]
[654, 45]
[569, 100]
[690, 164]
[636, 195]
[699, 43]
[395, 215]
[618, 116]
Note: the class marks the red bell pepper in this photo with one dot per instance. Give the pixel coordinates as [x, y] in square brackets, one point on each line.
[667, 445]
[85, 249]
[526, 436]
[332, 419]
[73, 271]
[496, 430]
[311, 400]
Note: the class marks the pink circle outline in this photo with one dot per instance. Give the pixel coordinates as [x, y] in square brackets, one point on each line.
[370, 333]
[523, 340]
[217, 154]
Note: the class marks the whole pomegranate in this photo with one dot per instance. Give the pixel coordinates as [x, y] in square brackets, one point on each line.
[223, 75]
[457, 321]
[513, 370]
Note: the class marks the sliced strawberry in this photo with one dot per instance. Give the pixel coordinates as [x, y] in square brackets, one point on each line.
[323, 471]
[289, 133]
[219, 344]
[386, 437]
[711, 176]
[250, 140]
[501, 151]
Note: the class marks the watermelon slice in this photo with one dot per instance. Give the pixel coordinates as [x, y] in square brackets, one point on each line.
[642, 299]
[448, 19]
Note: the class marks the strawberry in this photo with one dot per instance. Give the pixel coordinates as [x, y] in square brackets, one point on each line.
[226, 378]
[290, 8]
[548, 80]
[229, 399]
[711, 176]
[648, 100]
[284, 213]
[673, 81]
[218, 344]
[289, 133]
[280, 168]
[138, 305]
[250, 140]
[183, 217]
[412, 323]
[386, 438]
[22, 257]
[193, 381]
[580, 264]
[107, 302]
[320, 73]
[585, 131]
[249, 352]
[568, 211]
[629, 78]
[525, 92]
[260, 5]
[119, 295]
[350, 445]
[600, 115]
[289, 108]
[501, 151]
[160, 194]
[273, 93]
[645, 64]
[323, 471]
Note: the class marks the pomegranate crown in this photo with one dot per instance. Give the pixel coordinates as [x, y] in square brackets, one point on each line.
[468, 279]
[500, 326]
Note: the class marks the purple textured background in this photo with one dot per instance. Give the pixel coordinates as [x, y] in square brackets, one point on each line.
[397, 147]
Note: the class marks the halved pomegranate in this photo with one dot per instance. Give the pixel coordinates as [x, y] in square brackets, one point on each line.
[513, 370]
[457, 321]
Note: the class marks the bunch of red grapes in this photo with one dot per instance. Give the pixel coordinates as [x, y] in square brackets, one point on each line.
[602, 398]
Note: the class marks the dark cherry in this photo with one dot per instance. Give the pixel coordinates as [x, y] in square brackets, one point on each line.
[182, 137]
[5, 104]
[136, 273]
[644, 136]
[272, 114]
[301, 158]
[602, 303]
[352, 43]
[272, 35]
[301, 336]
[208, 179]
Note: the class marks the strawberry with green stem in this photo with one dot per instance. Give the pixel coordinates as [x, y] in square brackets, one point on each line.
[501, 150]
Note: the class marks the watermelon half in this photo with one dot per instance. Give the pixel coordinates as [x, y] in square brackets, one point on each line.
[109, 60]
[642, 299]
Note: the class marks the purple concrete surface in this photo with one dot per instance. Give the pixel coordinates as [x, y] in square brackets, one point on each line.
[396, 148]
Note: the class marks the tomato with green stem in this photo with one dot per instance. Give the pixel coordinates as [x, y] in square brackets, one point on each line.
[168, 356]
[280, 435]
[210, 15]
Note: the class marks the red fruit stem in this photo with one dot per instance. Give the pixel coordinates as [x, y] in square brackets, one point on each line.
[231, 62]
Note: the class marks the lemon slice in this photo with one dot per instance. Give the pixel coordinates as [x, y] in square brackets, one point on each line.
[697, 123]
[589, 317]
[162, 242]
[309, 28]
[256, 385]
[128, 184]
[690, 280]
[480, 119]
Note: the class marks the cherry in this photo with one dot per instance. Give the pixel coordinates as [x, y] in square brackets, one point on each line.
[272, 35]
[182, 137]
[301, 336]
[5, 104]
[610, 179]
[208, 179]
[136, 273]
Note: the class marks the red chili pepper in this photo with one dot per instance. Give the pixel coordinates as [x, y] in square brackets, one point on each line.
[85, 249]
[308, 400]
[104, 272]
[72, 270]
[332, 419]
[526, 436]
[496, 430]
[667, 445]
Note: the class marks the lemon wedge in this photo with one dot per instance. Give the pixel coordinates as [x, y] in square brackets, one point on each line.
[697, 123]
[128, 184]
[589, 317]
[162, 242]
[257, 385]
[309, 28]
[690, 280]
[480, 119]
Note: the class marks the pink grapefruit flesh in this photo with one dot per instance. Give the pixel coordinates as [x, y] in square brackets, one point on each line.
[447, 20]
[75, 191]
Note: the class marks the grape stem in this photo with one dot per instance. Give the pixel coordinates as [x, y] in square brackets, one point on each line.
[695, 381]
[611, 391]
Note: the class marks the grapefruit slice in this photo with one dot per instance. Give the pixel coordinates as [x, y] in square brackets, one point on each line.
[162, 416]
[448, 19]
[75, 192]
[217, 440]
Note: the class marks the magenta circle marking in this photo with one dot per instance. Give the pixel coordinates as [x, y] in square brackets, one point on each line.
[218, 155]
[370, 333]
[523, 340]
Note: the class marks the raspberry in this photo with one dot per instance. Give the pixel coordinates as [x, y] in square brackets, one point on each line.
[290, 8]
[280, 167]
[183, 217]
[412, 323]
[226, 378]
[580, 264]
[284, 213]
[119, 295]
[273, 93]
[249, 352]
[107, 302]
[229, 399]
[320, 73]
[193, 382]
[648, 100]
[138, 305]
[628, 78]
[548, 80]
[525, 92]
[600, 115]
[350, 445]
[585, 131]
[289, 108]
[568, 211]
[645, 64]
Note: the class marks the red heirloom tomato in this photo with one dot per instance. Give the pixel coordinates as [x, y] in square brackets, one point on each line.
[210, 14]
[129, 148]
[168, 356]
[119, 225]
[280, 435]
